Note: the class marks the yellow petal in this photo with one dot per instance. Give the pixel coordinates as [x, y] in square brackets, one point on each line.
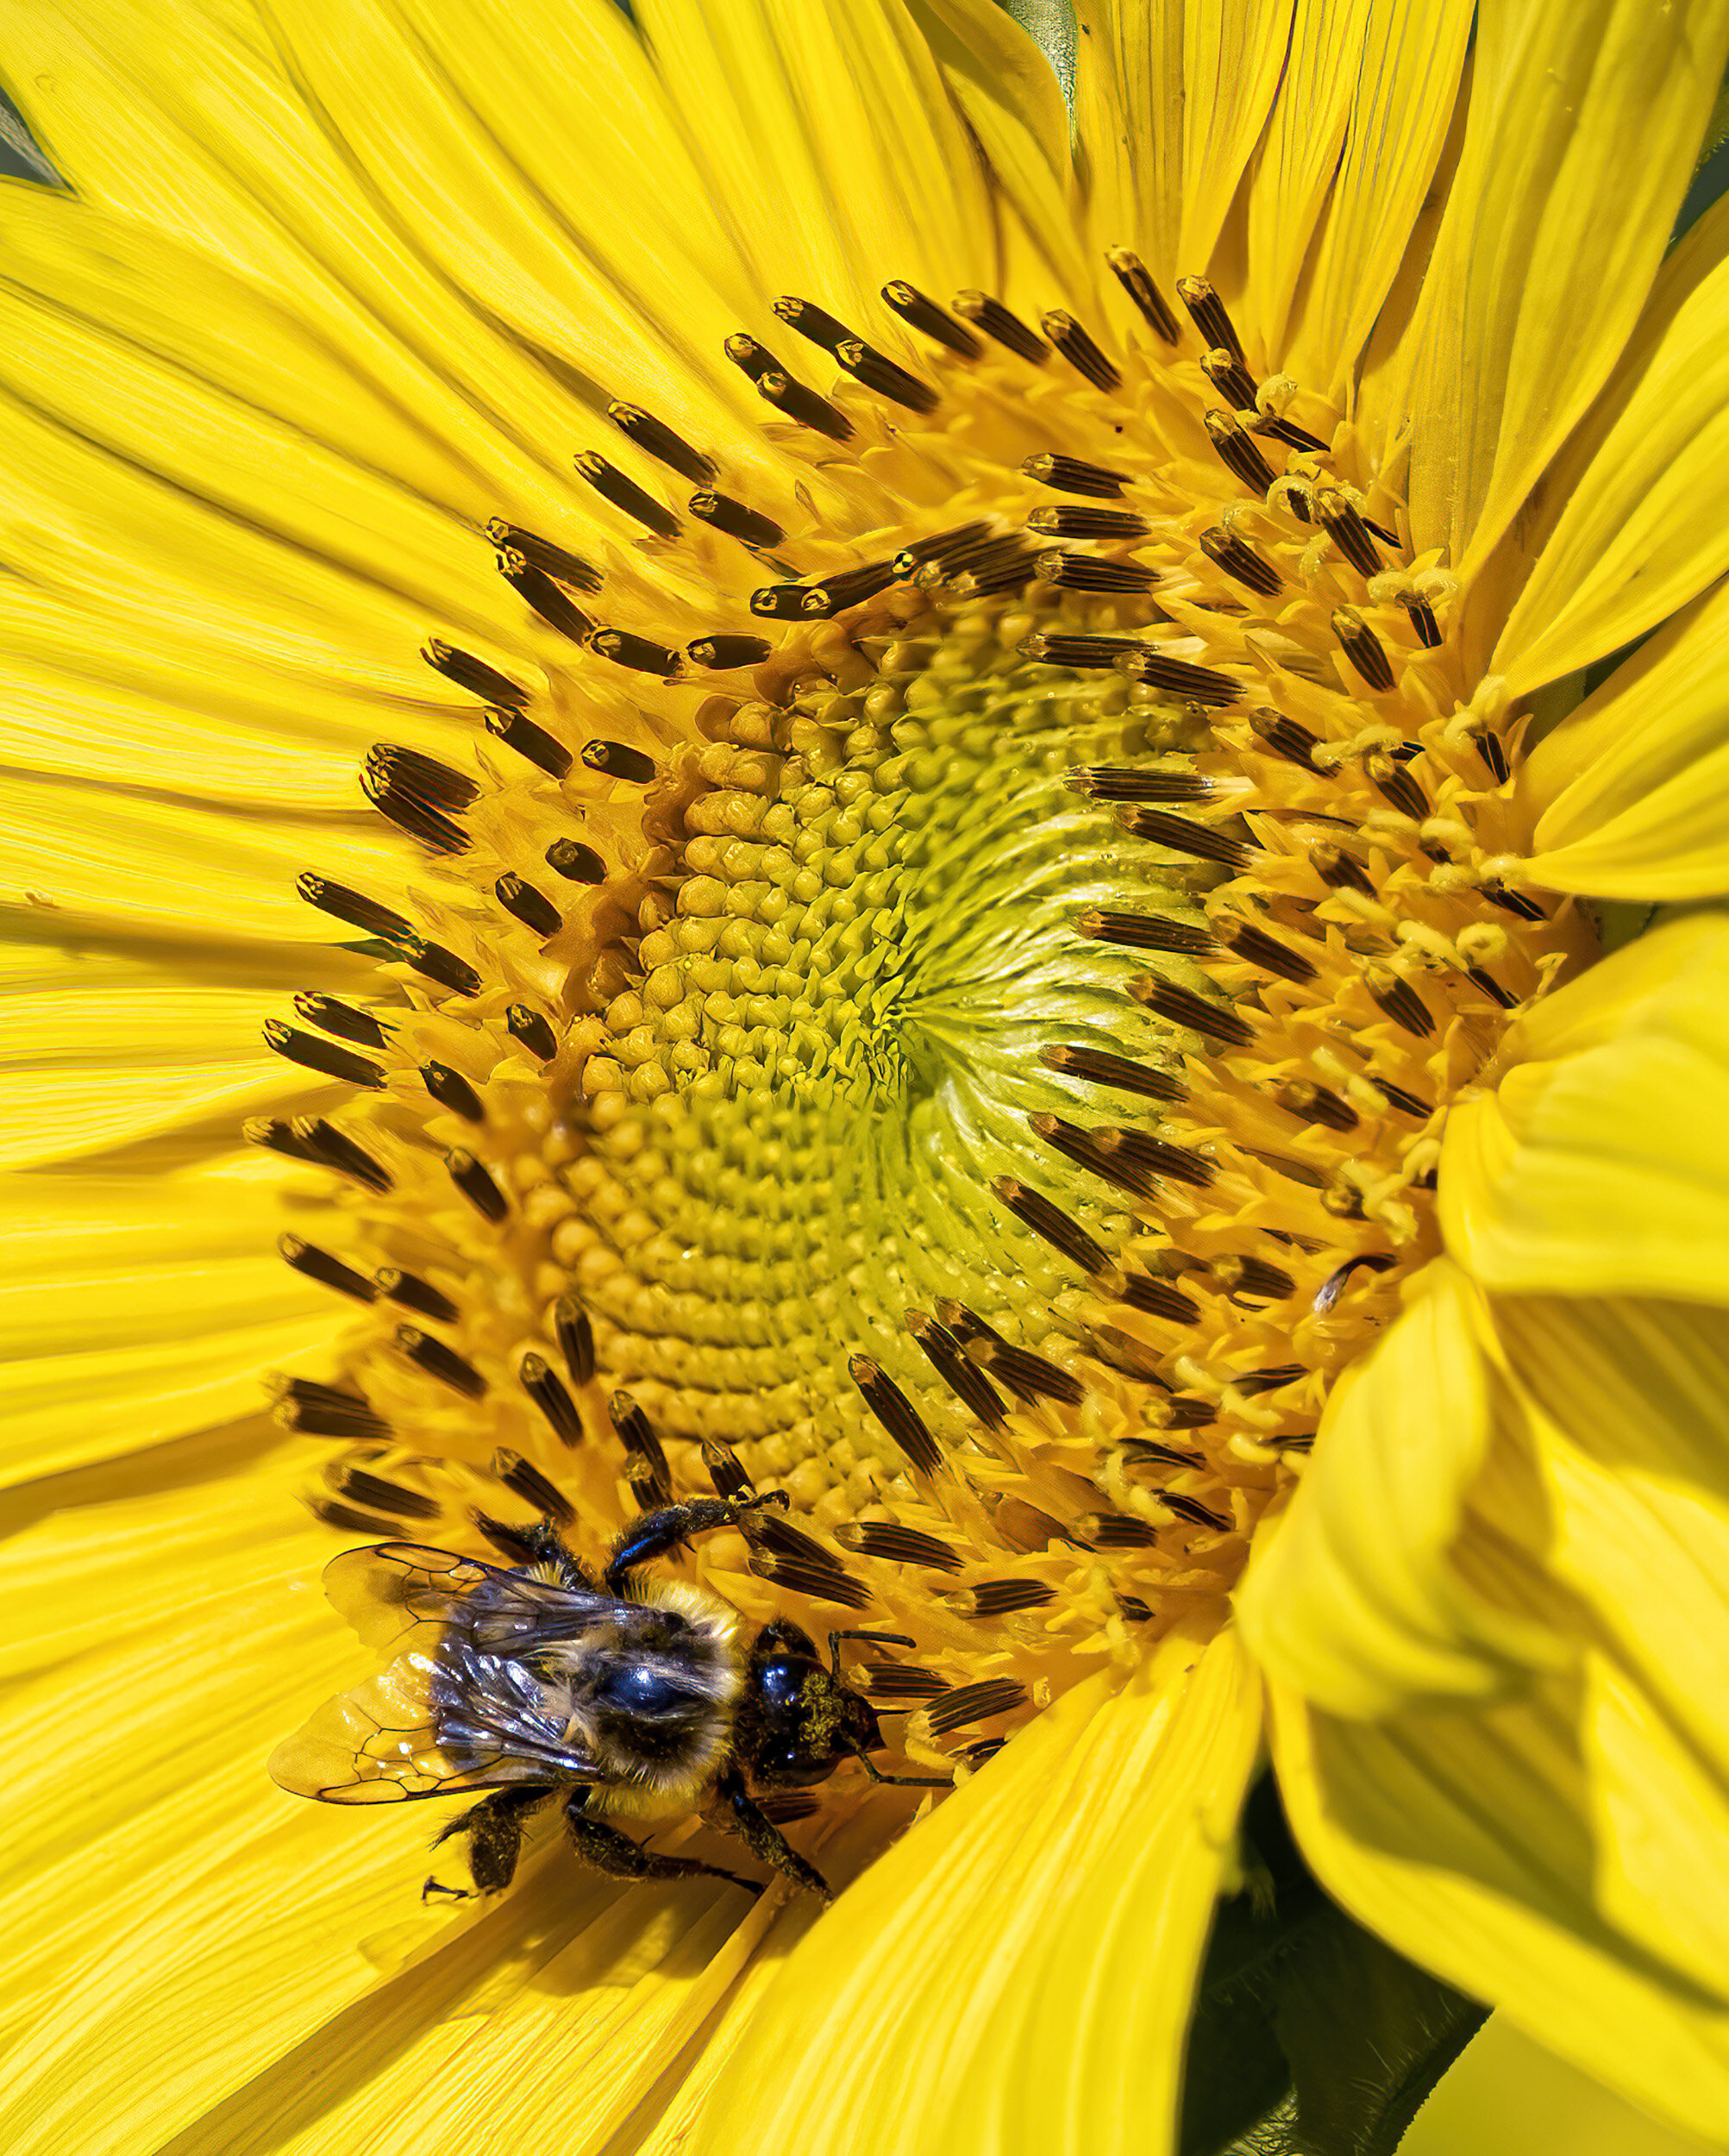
[1628, 1405]
[828, 140]
[136, 882]
[1630, 794]
[1170, 97]
[1640, 535]
[1295, 167]
[1601, 1163]
[1002, 80]
[1355, 1599]
[138, 1308]
[1018, 1972]
[1403, 80]
[1586, 116]
[98, 1049]
[1538, 1854]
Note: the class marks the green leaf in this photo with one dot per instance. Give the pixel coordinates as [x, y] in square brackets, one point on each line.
[1311, 2036]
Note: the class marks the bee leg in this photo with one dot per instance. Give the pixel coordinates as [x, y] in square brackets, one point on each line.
[656, 1533]
[616, 1854]
[537, 1543]
[494, 1828]
[752, 1826]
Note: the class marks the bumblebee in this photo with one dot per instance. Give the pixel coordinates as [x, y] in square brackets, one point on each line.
[630, 1695]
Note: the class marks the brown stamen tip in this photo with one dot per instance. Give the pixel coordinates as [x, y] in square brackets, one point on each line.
[312, 1138]
[531, 907]
[1293, 437]
[1052, 1225]
[1182, 835]
[1395, 784]
[1078, 1145]
[1117, 782]
[892, 1545]
[1339, 870]
[396, 783]
[342, 1020]
[1489, 749]
[1146, 932]
[1407, 1103]
[614, 760]
[409, 1292]
[1001, 327]
[977, 1703]
[557, 562]
[1206, 312]
[323, 1057]
[453, 1091]
[531, 742]
[532, 1030]
[1230, 377]
[723, 655]
[325, 1411]
[780, 602]
[1083, 654]
[1238, 453]
[1074, 521]
[1345, 528]
[434, 962]
[1255, 948]
[1080, 350]
[738, 522]
[896, 1413]
[574, 1333]
[1160, 1157]
[1399, 999]
[1178, 678]
[1133, 275]
[525, 1480]
[575, 862]
[822, 1583]
[353, 907]
[751, 358]
[467, 672]
[639, 655]
[725, 1469]
[380, 1494]
[536, 590]
[438, 1361]
[647, 1471]
[850, 587]
[1182, 1006]
[876, 372]
[812, 321]
[1492, 989]
[960, 543]
[308, 1260]
[1363, 648]
[924, 313]
[477, 1185]
[1240, 563]
[1336, 1282]
[613, 486]
[1000, 1598]
[1071, 475]
[1423, 619]
[962, 1377]
[1254, 1276]
[804, 407]
[1099, 1069]
[655, 439]
[1285, 737]
[1317, 1103]
[1092, 573]
[1182, 1411]
[1031, 1376]
[1157, 1298]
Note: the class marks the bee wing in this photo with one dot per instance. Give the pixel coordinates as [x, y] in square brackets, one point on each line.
[426, 1728]
[389, 1591]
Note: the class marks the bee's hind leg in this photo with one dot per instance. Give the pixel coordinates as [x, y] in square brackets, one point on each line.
[494, 1828]
[745, 1818]
[607, 1850]
[655, 1533]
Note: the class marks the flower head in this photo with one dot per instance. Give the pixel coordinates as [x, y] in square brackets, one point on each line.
[961, 928]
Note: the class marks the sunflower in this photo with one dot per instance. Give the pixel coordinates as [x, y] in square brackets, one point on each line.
[971, 904]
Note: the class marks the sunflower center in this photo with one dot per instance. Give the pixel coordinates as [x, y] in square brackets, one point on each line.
[976, 1062]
